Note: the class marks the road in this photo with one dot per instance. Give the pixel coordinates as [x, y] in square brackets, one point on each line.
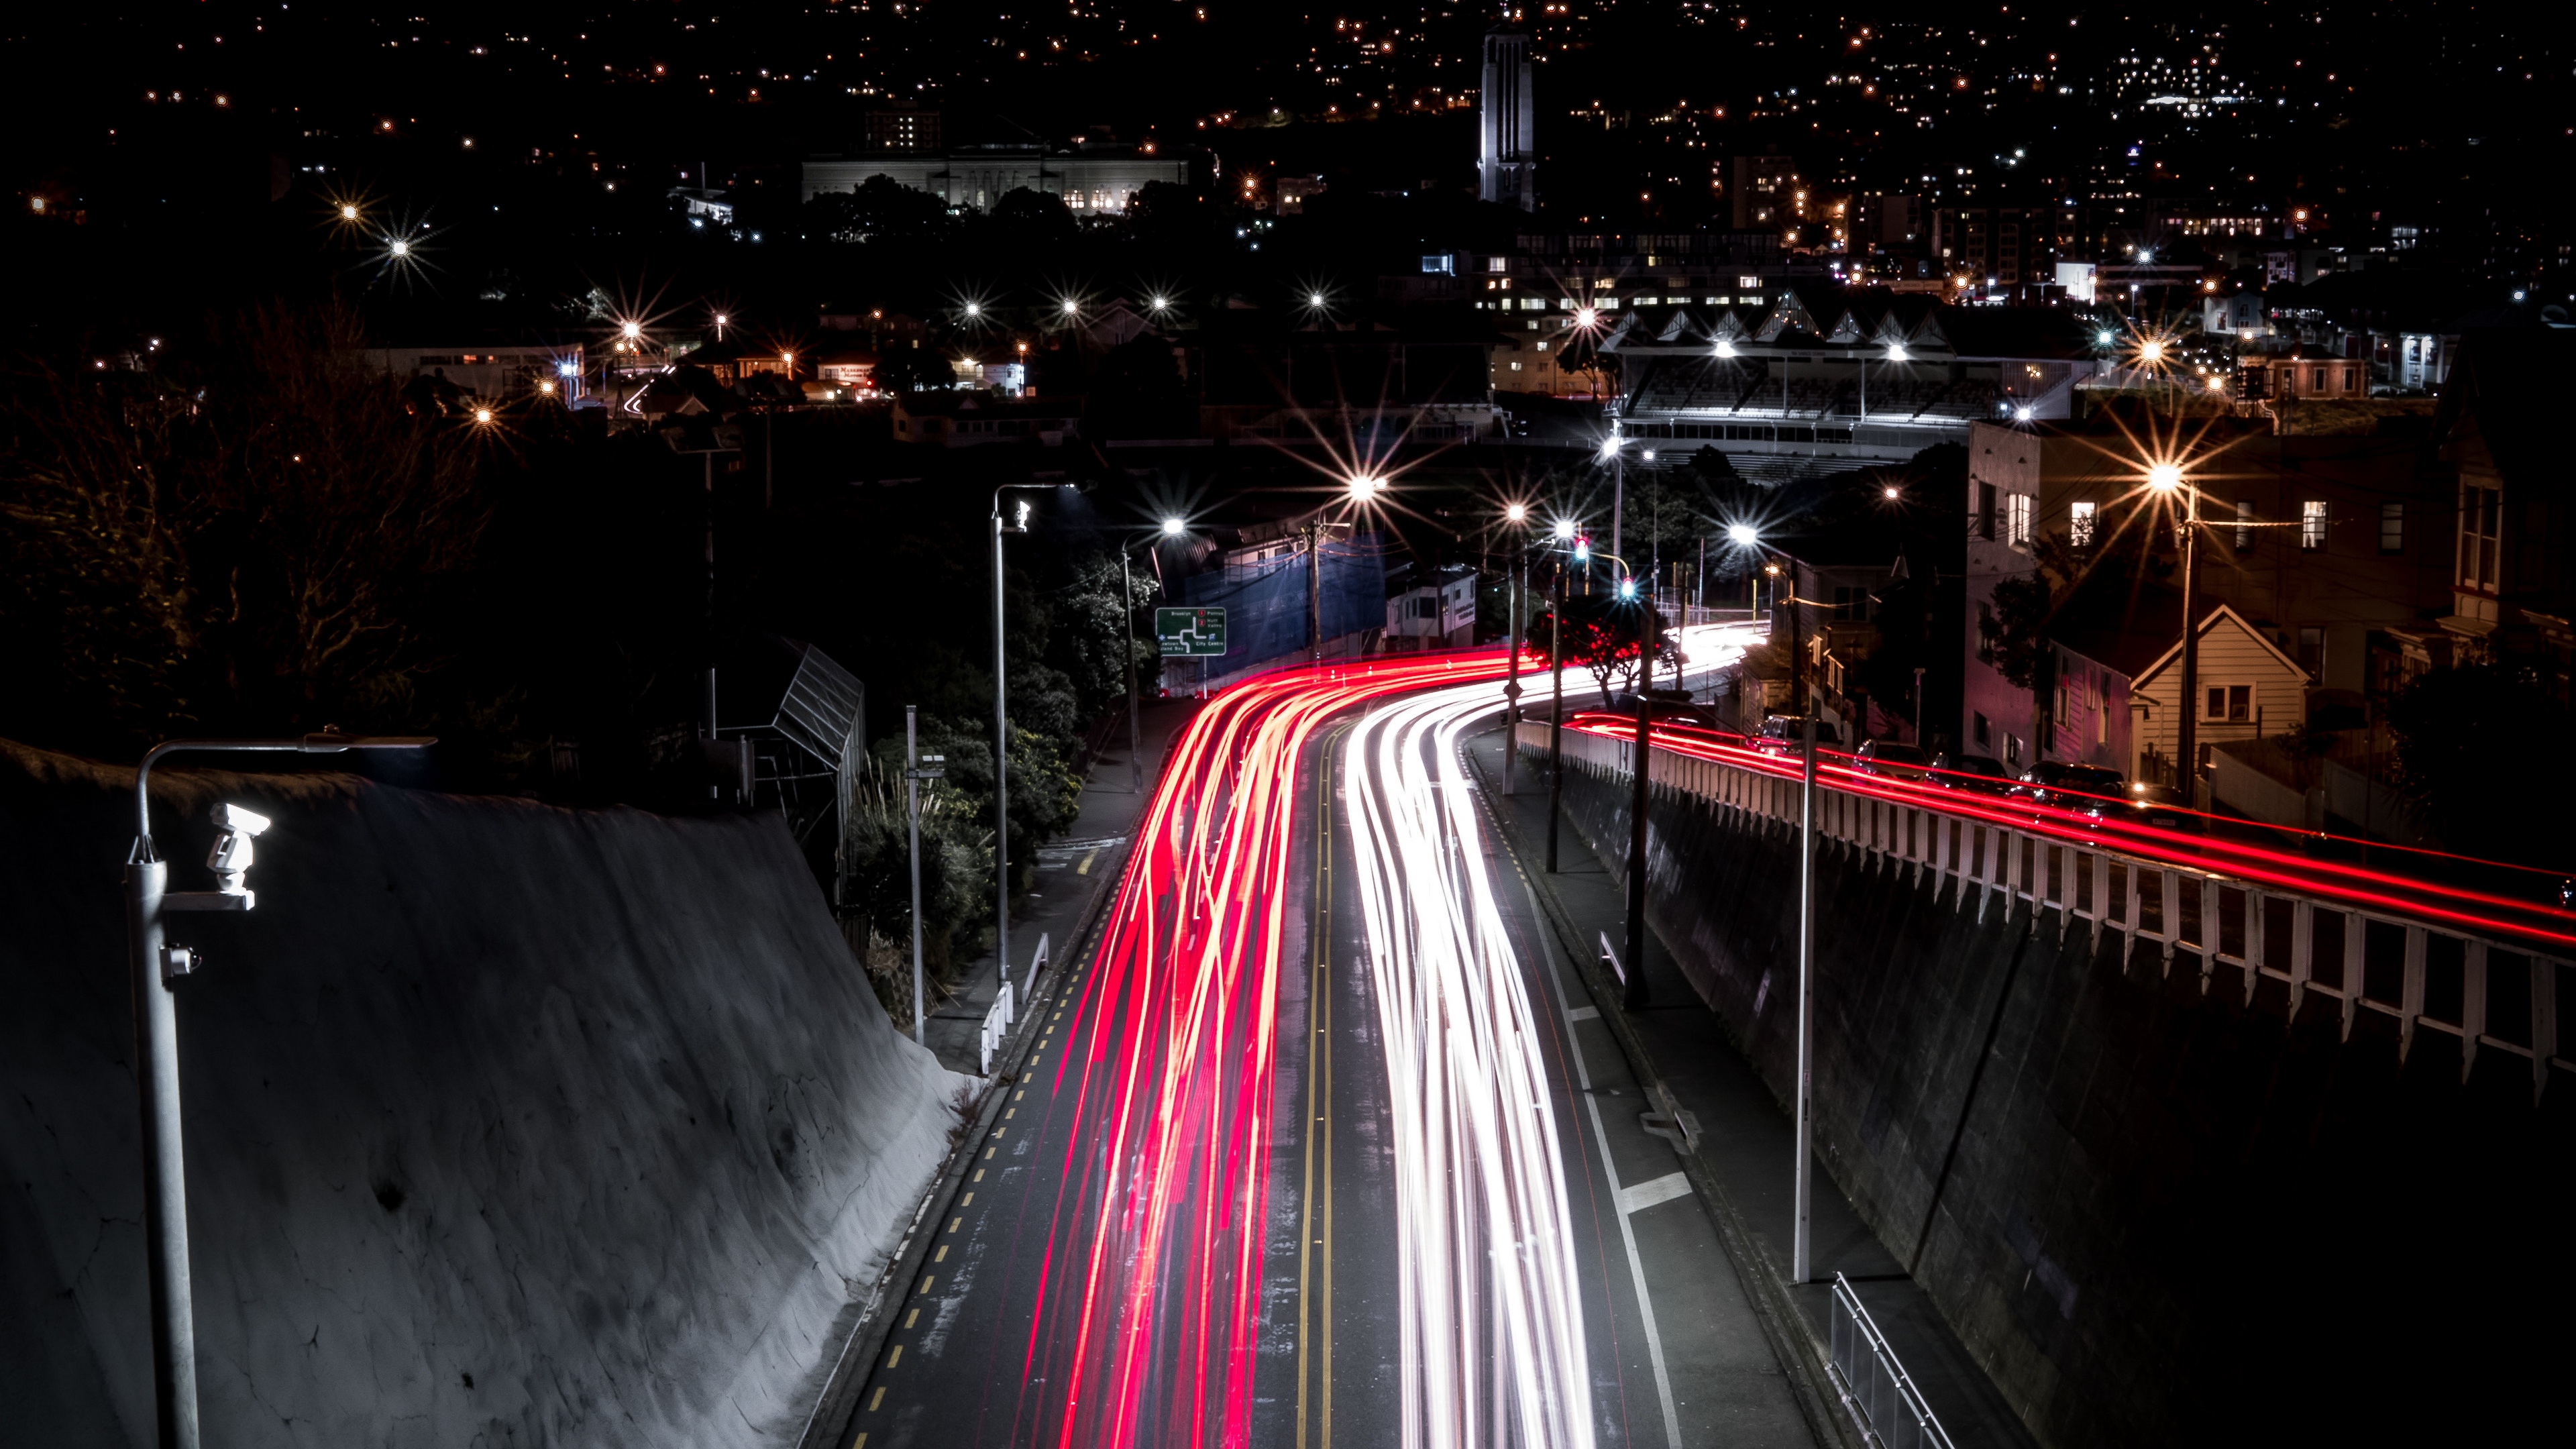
[1323, 1144]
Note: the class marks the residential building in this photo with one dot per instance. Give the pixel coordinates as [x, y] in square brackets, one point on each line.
[2511, 545]
[2007, 248]
[1430, 608]
[2244, 686]
[2300, 375]
[2334, 550]
[962, 420]
[498, 372]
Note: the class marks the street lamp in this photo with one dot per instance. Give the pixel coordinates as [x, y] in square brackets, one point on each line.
[1174, 527]
[1634, 995]
[1018, 523]
[156, 965]
[1610, 451]
[2167, 478]
[1365, 487]
[1517, 515]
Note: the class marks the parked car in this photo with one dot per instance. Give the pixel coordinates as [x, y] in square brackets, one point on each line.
[1978, 774]
[2164, 808]
[1667, 707]
[1891, 760]
[1786, 734]
[2084, 789]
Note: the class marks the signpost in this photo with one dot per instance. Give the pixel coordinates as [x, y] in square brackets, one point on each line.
[1190, 633]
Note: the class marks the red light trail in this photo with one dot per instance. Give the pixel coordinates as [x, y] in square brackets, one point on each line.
[1148, 1304]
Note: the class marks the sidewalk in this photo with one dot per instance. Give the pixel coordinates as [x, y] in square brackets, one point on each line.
[1742, 1141]
[1074, 875]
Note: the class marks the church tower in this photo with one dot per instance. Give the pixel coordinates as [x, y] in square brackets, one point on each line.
[1507, 123]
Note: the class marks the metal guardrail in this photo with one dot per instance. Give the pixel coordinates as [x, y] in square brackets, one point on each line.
[2493, 994]
[998, 1018]
[1874, 1387]
[1618, 972]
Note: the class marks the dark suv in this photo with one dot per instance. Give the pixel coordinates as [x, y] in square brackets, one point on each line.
[2084, 789]
[1891, 760]
[1982, 774]
[1786, 734]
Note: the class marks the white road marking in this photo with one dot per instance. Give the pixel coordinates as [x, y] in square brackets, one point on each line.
[1643, 1195]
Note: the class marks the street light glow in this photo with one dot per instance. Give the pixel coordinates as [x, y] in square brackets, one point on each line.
[1896, 352]
[1174, 527]
[974, 309]
[632, 330]
[2164, 477]
[1516, 513]
[1891, 493]
[483, 416]
[1725, 348]
[1072, 308]
[1742, 535]
[1565, 529]
[1627, 588]
[399, 247]
[1365, 486]
[1314, 299]
[1610, 445]
[2151, 351]
[1160, 304]
[1585, 316]
[348, 211]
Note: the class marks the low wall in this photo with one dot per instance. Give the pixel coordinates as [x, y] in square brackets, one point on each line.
[2155, 1214]
[505, 1124]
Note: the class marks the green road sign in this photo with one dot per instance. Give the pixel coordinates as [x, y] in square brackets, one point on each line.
[1183, 633]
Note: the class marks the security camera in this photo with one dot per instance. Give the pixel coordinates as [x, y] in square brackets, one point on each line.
[230, 859]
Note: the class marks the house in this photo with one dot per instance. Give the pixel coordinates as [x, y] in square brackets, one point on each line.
[2300, 373]
[1430, 609]
[963, 420]
[2511, 546]
[497, 372]
[851, 368]
[2244, 688]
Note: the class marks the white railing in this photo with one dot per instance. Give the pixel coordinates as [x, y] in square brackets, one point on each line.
[998, 1017]
[2493, 994]
[1875, 1389]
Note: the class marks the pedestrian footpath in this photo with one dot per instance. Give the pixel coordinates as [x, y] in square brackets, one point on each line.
[1737, 1136]
[1075, 876]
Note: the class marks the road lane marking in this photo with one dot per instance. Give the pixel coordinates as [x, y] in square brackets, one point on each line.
[1601, 1141]
[967, 1201]
[926, 1282]
[1643, 1195]
[876, 1398]
[1584, 1013]
[912, 1318]
[954, 1222]
[941, 1256]
[895, 1356]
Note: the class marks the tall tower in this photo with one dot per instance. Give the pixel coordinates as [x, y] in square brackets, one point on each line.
[1507, 123]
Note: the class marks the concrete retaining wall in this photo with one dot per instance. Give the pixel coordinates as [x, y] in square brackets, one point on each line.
[2155, 1216]
[506, 1124]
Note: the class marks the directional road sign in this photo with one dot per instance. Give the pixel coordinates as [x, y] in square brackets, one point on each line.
[1190, 632]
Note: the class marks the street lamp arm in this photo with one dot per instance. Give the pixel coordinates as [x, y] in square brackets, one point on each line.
[312, 744]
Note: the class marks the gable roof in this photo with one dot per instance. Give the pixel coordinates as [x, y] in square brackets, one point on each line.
[2173, 651]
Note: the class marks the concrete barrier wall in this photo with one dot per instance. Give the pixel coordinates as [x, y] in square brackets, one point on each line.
[2156, 1216]
[505, 1124]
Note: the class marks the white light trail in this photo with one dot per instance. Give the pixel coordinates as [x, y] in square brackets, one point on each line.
[1492, 1330]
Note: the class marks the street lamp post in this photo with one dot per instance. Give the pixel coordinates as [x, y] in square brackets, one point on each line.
[1002, 742]
[2167, 478]
[156, 965]
[1556, 688]
[1633, 994]
[1517, 515]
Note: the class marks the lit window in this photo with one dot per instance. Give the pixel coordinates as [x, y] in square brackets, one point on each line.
[2244, 524]
[2392, 528]
[2228, 703]
[2017, 518]
[2079, 525]
[2312, 524]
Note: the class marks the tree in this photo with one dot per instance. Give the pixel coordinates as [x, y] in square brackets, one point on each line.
[1607, 636]
[880, 209]
[914, 369]
[2063, 579]
[1033, 218]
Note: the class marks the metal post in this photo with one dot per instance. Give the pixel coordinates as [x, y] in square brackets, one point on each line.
[1803, 1188]
[912, 805]
[1918, 706]
[1636, 997]
[1127, 642]
[165, 1187]
[1512, 688]
[1618, 489]
[715, 790]
[1556, 714]
[1001, 774]
[2186, 719]
[1314, 590]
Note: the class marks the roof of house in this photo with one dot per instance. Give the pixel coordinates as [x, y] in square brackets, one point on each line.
[2223, 612]
[2511, 382]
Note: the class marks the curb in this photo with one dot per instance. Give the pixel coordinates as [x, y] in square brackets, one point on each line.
[1782, 1325]
[829, 1423]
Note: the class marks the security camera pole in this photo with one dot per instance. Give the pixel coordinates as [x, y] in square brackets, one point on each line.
[156, 964]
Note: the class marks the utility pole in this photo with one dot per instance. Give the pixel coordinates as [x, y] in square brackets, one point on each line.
[1556, 714]
[1802, 1184]
[1635, 997]
[913, 775]
[1001, 773]
[1314, 533]
[2187, 718]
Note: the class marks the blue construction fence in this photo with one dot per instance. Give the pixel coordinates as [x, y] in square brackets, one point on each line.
[1265, 602]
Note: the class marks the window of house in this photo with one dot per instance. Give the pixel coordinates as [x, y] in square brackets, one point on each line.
[1986, 510]
[1850, 603]
[2017, 518]
[2079, 525]
[2244, 524]
[2312, 524]
[2012, 752]
[2312, 652]
[2228, 703]
[1983, 729]
[2065, 698]
[2481, 527]
[2392, 528]
[1985, 638]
